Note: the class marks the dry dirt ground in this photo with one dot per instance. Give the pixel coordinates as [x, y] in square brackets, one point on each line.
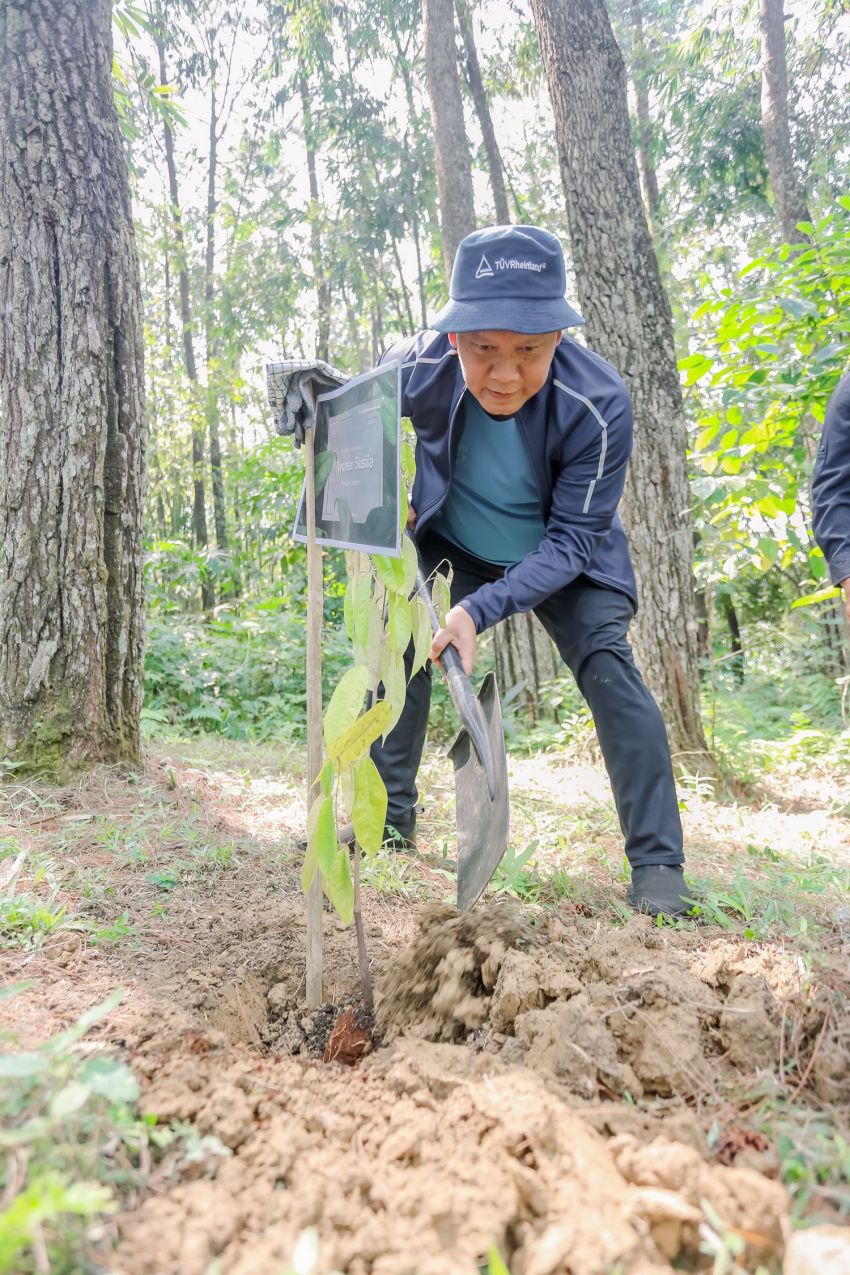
[556, 1088]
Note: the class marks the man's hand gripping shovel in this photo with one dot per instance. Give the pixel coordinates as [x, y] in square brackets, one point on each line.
[481, 771]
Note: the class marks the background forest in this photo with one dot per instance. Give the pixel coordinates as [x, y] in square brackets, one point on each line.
[286, 171]
[552, 1082]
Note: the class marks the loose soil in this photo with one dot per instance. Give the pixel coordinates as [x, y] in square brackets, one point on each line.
[567, 1091]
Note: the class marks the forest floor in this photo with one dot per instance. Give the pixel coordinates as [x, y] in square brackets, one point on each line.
[559, 1086]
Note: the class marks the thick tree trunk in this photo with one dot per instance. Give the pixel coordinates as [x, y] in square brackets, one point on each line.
[482, 110]
[649, 179]
[629, 322]
[451, 146]
[787, 191]
[71, 394]
[199, 507]
[212, 402]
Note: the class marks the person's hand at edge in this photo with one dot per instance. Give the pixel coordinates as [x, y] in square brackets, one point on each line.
[460, 631]
[411, 517]
[845, 586]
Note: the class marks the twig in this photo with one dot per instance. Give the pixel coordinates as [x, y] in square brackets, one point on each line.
[805, 1076]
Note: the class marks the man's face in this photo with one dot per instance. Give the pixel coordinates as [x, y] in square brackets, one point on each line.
[503, 370]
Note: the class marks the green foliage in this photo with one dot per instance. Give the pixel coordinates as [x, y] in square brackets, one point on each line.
[759, 387]
[240, 674]
[71, 1137]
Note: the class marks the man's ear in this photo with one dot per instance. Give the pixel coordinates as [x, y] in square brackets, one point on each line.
[453, 339]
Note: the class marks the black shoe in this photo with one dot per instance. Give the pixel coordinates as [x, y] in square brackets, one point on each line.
[660, 889]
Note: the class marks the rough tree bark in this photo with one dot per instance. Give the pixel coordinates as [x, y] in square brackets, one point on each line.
[71, 395]
[788, 192]
[451, 146]
[199, 507]
[482, 110]
[629, 322]
[211, 340]
[639, 80]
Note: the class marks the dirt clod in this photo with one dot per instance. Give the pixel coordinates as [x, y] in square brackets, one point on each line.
[350, 1039]
[441, 987]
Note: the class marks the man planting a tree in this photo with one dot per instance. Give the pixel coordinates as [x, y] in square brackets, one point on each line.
[523, 437]
[831, 490]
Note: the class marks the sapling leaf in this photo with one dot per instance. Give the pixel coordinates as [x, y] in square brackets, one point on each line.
[326, 778]
[326, 843]
[361, 600]
[346, 703]
[391, 572]
[421, 634]
[395, 684]
[338, 884]
[398, 623]
[441, 596]
[348, 610]
[369, 811]
[411, 563]
[351, 746]
[311, 863]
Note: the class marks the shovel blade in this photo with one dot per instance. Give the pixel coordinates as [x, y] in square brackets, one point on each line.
[482, 821]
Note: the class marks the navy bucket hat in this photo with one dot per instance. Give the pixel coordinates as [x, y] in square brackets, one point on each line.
[508, 279]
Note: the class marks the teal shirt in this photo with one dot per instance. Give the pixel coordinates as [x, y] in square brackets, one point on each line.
[493, 506]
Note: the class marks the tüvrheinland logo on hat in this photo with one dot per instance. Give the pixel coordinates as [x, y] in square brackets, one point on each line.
[485, 270]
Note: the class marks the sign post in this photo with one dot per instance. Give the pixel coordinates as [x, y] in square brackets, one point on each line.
[314, 713]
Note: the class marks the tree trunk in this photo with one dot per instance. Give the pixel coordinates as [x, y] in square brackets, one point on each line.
[525, 655]
[71, 395]
[212, 344]
[199, 507]
[639, 73]
[482, 110]
[787, 191]
[451, 146]
[629, 322]
[323, 299]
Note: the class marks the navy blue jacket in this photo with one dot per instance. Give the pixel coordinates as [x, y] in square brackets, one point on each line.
[578, 433]
[831, 485]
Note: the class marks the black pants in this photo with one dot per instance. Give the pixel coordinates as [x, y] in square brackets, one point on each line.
[588, 624]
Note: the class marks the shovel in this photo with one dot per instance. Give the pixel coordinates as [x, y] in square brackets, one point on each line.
[481, 771]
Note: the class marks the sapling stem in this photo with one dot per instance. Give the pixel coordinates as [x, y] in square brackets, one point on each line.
[362, 954]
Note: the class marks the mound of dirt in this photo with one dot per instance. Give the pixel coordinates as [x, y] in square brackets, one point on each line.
[603, 1013]
[416, 1165]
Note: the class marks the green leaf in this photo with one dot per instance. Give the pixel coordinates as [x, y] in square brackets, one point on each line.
[110, 1079]
[348, 610]
[398, 623]
[395, 684]
[369, 812]
[811, 599]
[421, 634]
[706, 436]
[411, 563]
[769, 549]
[441, 596]
[360, 608]
[311, 863]
[326, 842]
[372, 654]
[495, 1262]
[69, 1100]
[21, 1066]
[345, 704]
[326, 778]
[325, 462]
[338, 885]
[391, 571]
[351, 746]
